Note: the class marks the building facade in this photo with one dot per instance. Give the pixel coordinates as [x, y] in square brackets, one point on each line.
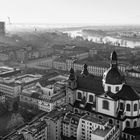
[107, 98]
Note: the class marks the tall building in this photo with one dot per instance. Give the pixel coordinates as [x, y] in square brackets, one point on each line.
[2, 28]
[69, 125]
[54, 124]
[109, 98]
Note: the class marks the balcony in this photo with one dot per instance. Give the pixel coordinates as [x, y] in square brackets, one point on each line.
[114, 135]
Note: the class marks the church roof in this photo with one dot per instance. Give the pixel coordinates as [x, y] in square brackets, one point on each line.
[113, 76]
[132, 131]
[112, 95]
[127, 93]
[90, 83]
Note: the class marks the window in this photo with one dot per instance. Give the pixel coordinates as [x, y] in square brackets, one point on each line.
[128, 137]
[90, 98]
[135, 107]
[100, 117]
[121, 106]
[110, 121]
[117, 88]
[109, 88]
[76, 110]
[105, 105]
[135, 123]
[79, 95]
[124, 135]
[127, 124]
[128, 107]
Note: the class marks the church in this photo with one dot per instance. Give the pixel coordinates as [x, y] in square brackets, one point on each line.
[107, 98]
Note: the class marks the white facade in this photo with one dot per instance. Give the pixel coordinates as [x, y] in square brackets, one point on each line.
[112, 88]
[10, 90]
[110, 109]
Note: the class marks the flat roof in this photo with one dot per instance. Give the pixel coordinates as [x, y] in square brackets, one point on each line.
[24, 79]
[94, 120]
[5, 69]
[101, 132]
[56, 114]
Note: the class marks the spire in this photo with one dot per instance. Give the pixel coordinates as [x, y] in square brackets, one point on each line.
[72, 74]
[85, 71]
[113, 59]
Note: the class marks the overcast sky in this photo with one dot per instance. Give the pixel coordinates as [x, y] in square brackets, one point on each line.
[71, 11]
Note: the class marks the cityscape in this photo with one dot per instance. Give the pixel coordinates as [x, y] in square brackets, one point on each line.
[75, 77]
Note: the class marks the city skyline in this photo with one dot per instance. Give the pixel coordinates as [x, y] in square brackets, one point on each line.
[71, 11]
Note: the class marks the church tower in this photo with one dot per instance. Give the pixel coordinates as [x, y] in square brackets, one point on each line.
[85, 71]
[71, 87]
[112, 78]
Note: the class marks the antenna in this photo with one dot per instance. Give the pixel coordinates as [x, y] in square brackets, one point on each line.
[9, 21]
[35, 29]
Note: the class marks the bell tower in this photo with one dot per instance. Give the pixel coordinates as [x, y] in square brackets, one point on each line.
[71, 87]
[72, 80]
[85, 71]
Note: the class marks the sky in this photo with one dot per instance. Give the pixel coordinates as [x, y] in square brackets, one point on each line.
[71, 11]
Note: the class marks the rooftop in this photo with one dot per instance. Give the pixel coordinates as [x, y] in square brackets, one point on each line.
[128, 93]
[90, 83]
[35, 127]
[15, 136]
[24, 79]
[101, 132]
[56, 114]
[132, 131]
[48, 94]
[94, 120]
[7, 71]
[27, 78]
[71, 116]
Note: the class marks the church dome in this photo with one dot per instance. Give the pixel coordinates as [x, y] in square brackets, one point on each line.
[113, 77]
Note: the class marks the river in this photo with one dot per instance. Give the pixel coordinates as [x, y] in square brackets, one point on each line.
[106, 39]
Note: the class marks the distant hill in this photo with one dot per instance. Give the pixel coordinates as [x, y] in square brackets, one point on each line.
[94, 32]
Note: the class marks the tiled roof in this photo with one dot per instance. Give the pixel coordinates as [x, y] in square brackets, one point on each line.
[90, 83]
[132, 131]
[128, 93]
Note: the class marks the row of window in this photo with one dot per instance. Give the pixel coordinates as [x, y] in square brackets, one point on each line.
[128, 124]
[128, 107]
[109, 88]
[79, 96]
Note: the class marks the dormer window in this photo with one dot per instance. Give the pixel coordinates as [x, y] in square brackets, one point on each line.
[79, 95]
